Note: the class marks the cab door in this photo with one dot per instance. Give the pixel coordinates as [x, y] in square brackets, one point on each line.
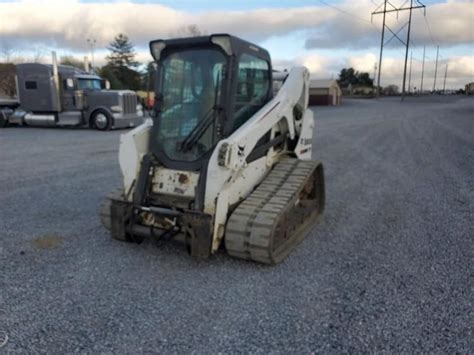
[67, 97]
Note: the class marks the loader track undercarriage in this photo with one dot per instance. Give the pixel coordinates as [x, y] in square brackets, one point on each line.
[274, 218]
[265, 227]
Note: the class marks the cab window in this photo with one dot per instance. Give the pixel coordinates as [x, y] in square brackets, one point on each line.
[253, 83]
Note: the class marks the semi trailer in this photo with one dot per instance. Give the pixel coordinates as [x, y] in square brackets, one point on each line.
[58, 95]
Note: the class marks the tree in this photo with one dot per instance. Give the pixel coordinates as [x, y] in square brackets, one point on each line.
[71, 61]
[123, 54]
[348, 76]
[107, 72]
[7, 80]
[121, 63]
[191, 30]
[38, 55]
[7, 52]
[391, 90]
[364, 79]
[148, 77]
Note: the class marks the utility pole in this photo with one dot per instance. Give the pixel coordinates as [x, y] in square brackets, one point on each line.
[381, 46]
[395, 34]
[445, 75]
[374, 80]
[406, 52]
[436, 68]
[422, 70]
[409, 74]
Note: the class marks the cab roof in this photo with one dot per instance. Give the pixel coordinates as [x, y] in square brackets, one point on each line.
[235, 46]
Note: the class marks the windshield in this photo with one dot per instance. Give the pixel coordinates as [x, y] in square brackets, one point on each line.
[89, 84]
[190, 90]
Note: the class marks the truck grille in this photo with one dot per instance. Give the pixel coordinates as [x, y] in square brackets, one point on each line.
[129, 102]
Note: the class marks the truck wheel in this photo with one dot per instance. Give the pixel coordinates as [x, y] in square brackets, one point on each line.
[101, 120]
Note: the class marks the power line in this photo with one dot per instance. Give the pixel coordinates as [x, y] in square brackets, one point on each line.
[429, 27]
[344, 12]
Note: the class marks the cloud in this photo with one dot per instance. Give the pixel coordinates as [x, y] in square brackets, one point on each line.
[447, 24]
[35, 26]
[67, 23]
[460, 69]
[363, 62]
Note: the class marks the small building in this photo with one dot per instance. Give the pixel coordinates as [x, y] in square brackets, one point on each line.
[470, 89]
[324, 92]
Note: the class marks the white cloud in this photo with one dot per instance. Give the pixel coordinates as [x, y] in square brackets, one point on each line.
[363, 62]
[68, 23]
[460, 69]
[447, 24]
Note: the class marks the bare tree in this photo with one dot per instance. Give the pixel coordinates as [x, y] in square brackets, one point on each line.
[191, 30]
[38, 55]
[71, 61]
[7, 52]
[7, 80]
[17, 59]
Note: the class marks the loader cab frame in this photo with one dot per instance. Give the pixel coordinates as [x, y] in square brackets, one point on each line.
[206, 87]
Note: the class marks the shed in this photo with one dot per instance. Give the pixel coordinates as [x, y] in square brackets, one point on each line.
[324, 92]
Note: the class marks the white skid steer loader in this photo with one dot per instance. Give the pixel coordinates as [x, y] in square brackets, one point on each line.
[224, 161]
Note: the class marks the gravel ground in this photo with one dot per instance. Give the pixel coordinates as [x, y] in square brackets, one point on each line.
[388, 268]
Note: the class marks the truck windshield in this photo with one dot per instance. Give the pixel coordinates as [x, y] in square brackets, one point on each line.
[191, 84]
[89, 84]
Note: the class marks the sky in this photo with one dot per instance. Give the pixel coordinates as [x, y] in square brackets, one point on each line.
[323, 35]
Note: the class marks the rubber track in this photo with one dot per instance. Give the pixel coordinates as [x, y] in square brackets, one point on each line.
[251, 227]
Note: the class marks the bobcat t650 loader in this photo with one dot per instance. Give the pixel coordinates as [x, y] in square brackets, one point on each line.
[224, 161]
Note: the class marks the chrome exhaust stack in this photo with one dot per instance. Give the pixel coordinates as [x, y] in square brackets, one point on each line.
[56, 80]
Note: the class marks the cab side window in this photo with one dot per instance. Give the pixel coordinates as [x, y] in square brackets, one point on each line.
[253, 83]
[31, 85]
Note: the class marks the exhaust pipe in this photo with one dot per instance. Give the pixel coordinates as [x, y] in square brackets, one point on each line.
[56, 80]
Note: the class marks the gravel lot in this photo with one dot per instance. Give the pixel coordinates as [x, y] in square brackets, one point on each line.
[388, 268]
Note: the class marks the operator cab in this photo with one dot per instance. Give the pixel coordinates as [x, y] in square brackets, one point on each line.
[206, 88]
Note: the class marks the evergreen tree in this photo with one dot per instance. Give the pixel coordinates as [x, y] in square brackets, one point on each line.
[121, 63]
[348, 76]
[123, 54]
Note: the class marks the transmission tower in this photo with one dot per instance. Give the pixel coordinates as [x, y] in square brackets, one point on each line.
[406, 43]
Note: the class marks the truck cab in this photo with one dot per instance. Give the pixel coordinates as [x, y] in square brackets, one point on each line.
[51, 95]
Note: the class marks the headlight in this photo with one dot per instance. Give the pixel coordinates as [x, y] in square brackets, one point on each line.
[117, 108]
[139, 107]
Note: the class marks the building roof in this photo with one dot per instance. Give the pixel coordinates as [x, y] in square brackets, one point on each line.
[322, 83]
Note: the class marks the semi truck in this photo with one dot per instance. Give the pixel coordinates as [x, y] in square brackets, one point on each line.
[58, 95]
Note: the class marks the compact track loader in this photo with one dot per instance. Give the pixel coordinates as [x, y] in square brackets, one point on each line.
[224, 161]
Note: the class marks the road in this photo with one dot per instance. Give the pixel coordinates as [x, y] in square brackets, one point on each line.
[388, 268]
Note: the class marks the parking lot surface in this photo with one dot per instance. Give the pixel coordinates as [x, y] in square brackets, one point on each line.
[388, 267]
